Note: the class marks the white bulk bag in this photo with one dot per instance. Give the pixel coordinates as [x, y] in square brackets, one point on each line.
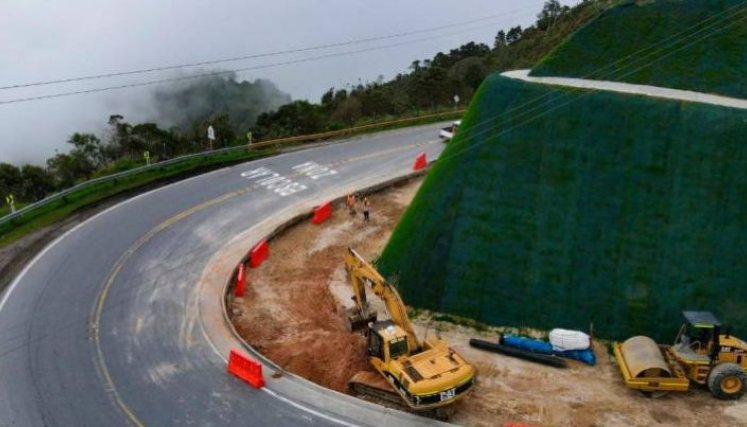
[565, 340]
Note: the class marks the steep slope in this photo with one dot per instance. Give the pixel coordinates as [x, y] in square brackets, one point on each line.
[619, 209]
[704, 43]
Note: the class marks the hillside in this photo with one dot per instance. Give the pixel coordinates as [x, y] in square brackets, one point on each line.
[619, 209]
[704, 42]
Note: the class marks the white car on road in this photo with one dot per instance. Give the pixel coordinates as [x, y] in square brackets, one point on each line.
[448, 132]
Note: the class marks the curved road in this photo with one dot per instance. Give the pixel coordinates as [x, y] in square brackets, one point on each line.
[100, 328]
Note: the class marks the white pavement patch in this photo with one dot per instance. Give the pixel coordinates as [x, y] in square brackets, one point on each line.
[271, 180]
[632, 89]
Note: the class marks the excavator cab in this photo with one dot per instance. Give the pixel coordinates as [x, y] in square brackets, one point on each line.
[387, 341]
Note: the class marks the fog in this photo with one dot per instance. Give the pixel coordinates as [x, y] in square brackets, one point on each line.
[42, 40]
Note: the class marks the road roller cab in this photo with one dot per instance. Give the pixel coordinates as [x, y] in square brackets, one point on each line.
[701, 353]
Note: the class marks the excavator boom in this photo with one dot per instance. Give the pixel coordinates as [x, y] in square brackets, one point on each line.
[361, 272]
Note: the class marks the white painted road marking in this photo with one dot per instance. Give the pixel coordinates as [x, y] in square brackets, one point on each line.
[272, 180]
[314, 170]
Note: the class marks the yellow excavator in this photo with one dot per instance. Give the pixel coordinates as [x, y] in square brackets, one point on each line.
[427, 375]
[702, 354]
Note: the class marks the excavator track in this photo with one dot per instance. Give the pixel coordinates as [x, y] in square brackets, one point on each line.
[373, 388]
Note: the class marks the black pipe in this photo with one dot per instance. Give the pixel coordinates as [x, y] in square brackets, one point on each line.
[531, 356]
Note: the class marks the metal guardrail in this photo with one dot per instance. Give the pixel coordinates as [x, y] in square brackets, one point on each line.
[113, 177]
[270, 143]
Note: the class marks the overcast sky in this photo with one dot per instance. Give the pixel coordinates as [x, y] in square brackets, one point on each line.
[47, 40]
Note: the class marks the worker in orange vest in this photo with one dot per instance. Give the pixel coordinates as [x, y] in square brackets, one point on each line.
[366, 209]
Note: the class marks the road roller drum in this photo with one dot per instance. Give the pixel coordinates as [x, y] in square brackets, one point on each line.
[644, 358]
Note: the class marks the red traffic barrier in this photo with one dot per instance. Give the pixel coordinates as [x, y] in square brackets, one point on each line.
[322, 212]
[246, 369]
[259, 253]
[420, 162]
[240, 281]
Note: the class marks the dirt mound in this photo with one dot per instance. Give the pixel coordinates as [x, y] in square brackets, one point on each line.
[289, 312]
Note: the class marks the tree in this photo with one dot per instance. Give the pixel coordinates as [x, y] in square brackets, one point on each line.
[349, 110]
[500, 40]
[469, 72]
[10, 180]
[550, 12]
[119, 137]
[296, 118]
[513, 35]
[90, 147]
[37, 183]
[68, 169]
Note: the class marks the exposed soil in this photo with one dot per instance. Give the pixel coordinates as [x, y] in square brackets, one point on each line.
[293, 312]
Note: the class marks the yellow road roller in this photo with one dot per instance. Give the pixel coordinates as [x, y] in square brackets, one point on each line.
[701, 354]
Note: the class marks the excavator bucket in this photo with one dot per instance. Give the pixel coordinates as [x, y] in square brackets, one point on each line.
[356, 321]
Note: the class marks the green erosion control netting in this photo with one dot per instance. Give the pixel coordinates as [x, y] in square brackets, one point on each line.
[698, 45]
[619, 209]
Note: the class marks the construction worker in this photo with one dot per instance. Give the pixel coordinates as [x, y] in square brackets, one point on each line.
[351, 203]
[366, 209]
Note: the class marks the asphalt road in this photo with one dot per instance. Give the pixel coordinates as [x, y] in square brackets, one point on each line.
[100, 328]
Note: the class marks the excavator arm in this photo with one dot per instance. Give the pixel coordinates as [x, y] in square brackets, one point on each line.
[361, 272]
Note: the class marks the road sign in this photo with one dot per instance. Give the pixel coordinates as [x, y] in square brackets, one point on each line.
[248, 137]
[211, 133]
[146, 155]
[11, 201]
[456, 99]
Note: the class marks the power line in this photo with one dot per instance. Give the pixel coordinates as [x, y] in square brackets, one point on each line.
[239, 70]
[260, 55]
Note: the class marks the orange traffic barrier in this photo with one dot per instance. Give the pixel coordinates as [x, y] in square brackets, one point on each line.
[246, 369]
[420, 162]
[240, 281]
[322, 212]
[258, 254]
